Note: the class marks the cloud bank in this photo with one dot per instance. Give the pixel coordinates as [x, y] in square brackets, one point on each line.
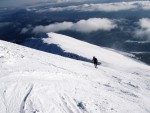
[3, 24]
[144, 30]
[107, 7]
[84, 26]
[16, 3]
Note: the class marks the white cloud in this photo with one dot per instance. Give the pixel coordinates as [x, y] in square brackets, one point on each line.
[85, 26]
[107, 7]
[144, 30]
[24, 30]
[94, 24]
[3, 24]
[145, 5]
[53, 27]
[18, 3]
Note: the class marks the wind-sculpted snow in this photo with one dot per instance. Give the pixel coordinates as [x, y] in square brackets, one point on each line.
[52, 48]
[69, 47]
[33, 81]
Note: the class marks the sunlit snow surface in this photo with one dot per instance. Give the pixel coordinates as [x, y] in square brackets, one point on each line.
[32, 81]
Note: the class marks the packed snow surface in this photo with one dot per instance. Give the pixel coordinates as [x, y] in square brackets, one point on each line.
[33, 81]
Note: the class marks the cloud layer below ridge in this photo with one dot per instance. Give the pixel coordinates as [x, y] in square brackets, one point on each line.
[85, 26]
[144, 30]
[107, 7]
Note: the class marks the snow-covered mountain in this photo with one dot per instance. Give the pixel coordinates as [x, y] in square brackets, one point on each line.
[33, 81]
[69, 47]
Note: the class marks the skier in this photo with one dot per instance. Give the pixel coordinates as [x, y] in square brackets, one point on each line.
[95, 61]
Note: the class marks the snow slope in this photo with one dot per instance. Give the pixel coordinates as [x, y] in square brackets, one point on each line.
[33, 81]
[73, 48]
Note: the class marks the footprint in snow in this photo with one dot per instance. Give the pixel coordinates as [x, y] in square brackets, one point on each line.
[129, 93]
[81, 106]
[130, 84]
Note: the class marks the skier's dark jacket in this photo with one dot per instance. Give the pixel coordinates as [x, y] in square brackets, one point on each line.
[95, 60]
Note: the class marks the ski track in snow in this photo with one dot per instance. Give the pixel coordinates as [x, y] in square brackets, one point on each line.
[22, 110]
[32, 81]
